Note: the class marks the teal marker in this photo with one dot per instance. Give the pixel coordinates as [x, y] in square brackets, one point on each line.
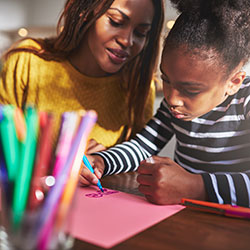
[88, 165]
[10, 142]
[27, 157]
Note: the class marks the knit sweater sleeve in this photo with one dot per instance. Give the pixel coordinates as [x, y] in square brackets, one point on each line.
[13, 79]
[15, 75]
[128, 155]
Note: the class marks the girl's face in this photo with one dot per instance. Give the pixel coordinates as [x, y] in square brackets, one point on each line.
[117, 36]
[192, 86]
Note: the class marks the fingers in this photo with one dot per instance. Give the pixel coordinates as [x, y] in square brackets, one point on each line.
[146, 190]
[145, 183]
[144, 179]
[98, 173]
[150, 195]
[93, 147]
[145, 168]
[86, 177]
[150, 165]
[83, 181]
[97, 148]
[91, 143]
[151, 199]
[153, 196]
[98, 164]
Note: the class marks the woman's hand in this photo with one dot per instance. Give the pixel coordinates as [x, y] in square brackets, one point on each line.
[165, 182]
[94, 146]
[86, 177]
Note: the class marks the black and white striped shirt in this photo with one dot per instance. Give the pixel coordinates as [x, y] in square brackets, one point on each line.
[215, 145]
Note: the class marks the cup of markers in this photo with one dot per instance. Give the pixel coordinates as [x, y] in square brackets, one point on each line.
[38, 177]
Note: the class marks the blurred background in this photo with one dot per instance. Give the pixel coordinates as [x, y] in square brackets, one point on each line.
[21, 18]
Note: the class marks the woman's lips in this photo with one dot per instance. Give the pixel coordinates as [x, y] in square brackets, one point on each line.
[117, 56]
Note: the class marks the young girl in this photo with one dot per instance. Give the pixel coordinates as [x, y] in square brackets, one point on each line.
[103, 58]
[206, 106]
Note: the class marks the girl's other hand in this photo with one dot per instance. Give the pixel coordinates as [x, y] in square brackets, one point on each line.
[86, 177]
[163, 182]
[94, 146]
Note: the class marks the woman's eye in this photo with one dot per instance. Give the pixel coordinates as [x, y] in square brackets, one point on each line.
[140, 34]
[114, 23]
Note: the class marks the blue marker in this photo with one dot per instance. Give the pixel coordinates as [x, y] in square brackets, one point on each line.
[88, 165]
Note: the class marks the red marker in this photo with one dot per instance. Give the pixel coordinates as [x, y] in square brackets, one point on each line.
[42, 161]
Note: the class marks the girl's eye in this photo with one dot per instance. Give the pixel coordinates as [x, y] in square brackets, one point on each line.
[190, 93]
[165, 81]
[114, 23]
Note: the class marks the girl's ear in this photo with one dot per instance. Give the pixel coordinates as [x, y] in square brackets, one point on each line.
[235, 82]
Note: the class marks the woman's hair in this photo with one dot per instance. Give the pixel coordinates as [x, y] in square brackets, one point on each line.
[220, 26]
[74, 22]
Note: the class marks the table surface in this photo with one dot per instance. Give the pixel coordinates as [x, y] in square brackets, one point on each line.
[187, 229]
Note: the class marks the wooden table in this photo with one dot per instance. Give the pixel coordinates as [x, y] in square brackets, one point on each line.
[185, 230]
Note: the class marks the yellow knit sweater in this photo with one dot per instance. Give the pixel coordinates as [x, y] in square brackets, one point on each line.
[58, 87]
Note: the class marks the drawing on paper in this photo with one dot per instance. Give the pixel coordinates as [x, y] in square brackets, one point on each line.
[99, 193]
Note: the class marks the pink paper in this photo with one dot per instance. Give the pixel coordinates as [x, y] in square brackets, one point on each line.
[108, 219]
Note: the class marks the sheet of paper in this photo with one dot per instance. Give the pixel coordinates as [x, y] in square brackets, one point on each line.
[106, 219]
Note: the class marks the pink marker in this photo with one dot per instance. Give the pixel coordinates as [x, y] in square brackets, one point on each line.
[68, 128]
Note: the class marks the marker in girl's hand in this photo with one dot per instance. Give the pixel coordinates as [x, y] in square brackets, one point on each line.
[88, 165]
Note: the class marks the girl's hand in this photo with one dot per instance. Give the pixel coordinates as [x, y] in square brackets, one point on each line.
[93, 147]
[86, 177]
[165, 182]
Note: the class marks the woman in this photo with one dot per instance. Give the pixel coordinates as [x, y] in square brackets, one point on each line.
[103, 57]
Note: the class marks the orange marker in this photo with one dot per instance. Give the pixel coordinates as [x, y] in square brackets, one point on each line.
[20, 124]
[222, 209]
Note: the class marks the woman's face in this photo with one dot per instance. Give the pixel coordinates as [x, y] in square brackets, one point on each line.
[117, 37]
[193, 86]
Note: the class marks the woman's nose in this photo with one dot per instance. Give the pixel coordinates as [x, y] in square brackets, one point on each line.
[126, 38]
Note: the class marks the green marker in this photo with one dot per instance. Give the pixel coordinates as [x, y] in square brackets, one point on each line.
[10, 141]
[27, 157]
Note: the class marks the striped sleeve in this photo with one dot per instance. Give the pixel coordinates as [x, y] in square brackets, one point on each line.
[128, 155]
[246, 104]
[231, 188]
[225, 188]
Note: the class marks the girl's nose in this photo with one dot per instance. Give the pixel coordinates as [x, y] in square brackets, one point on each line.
[173, 98]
